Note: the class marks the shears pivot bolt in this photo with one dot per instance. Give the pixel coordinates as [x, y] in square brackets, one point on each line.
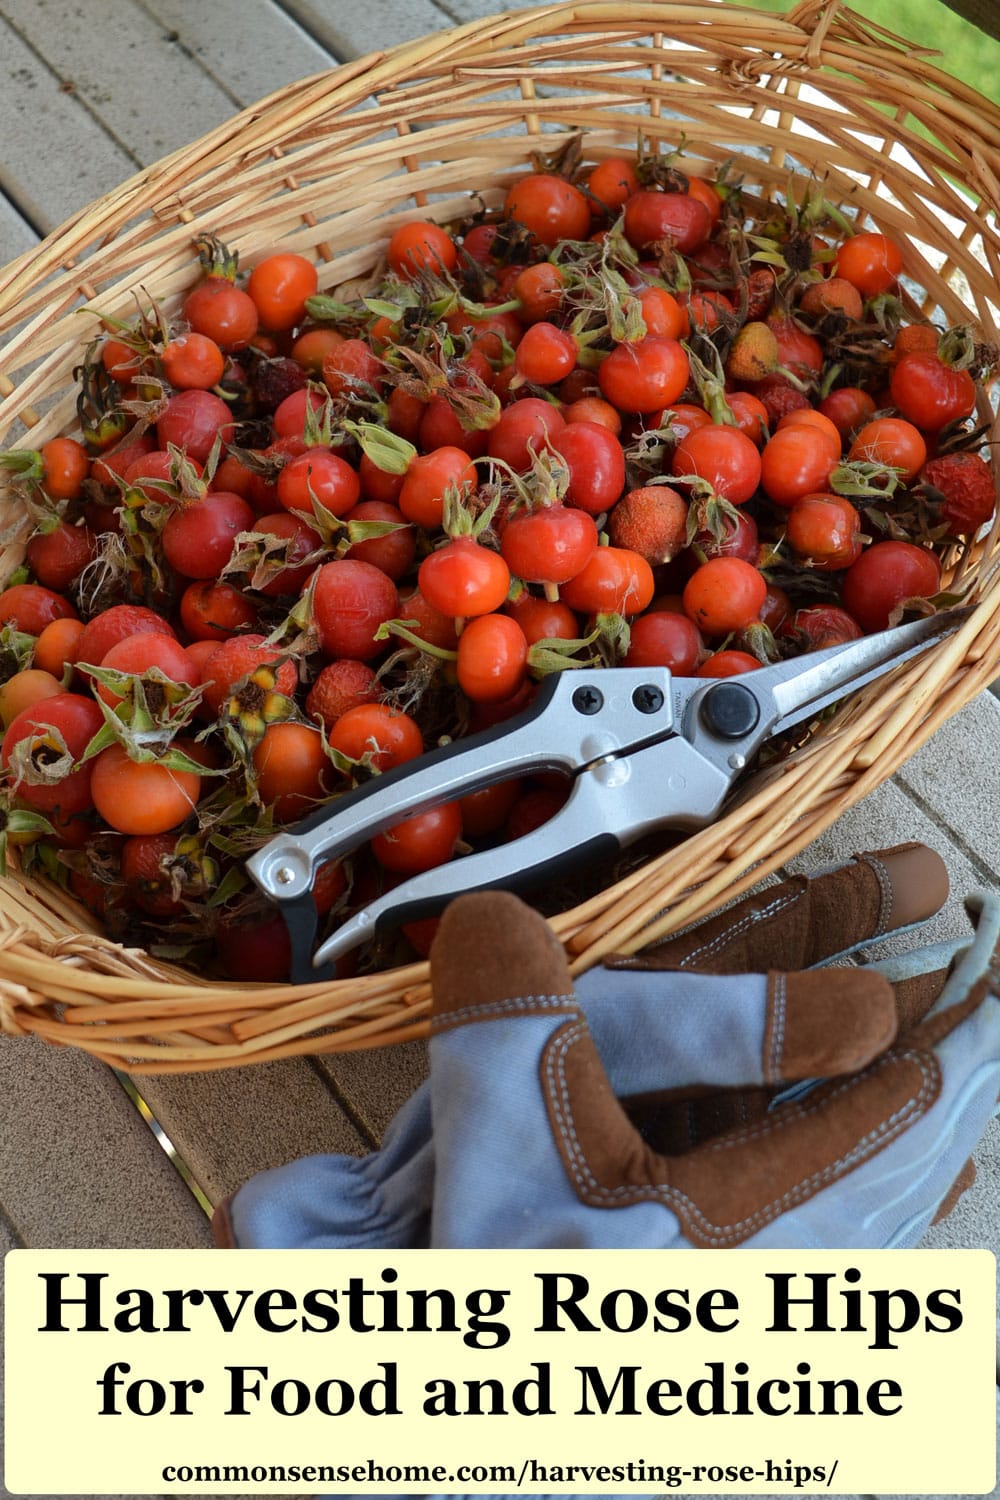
[730, 711]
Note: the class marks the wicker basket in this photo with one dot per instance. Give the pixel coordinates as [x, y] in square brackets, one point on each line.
[329, 167]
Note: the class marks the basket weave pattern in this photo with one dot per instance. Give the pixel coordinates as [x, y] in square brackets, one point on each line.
[329, 167]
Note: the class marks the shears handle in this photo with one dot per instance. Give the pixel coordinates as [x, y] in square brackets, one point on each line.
[612, 803]
[580, 719]
[577, 717]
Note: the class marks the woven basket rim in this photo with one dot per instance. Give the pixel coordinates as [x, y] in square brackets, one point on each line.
[806, 34]
[131, 1009]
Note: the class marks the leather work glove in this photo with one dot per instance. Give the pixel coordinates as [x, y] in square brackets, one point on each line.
[715, 1090]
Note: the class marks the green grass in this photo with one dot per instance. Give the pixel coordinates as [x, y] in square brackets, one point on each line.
[965, 51]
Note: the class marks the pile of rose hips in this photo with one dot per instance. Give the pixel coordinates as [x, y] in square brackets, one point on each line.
[632, 417]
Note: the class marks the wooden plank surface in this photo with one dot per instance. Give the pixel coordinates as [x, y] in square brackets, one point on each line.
[47, 186]
[354, 30]
[277, 49]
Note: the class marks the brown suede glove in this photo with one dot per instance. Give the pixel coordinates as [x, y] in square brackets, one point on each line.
[800, 924]
[715, 1091]
[717, 1077]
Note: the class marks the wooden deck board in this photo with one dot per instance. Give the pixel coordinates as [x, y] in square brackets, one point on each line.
[280, 51]
[48, 186]
[353, 30]
[144, 92]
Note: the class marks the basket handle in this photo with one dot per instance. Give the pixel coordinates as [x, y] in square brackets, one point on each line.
[816, 18]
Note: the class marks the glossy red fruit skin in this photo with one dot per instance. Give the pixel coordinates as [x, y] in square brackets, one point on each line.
[884, 576]
[550, 207]
[644, 376]
[198, 539]
[192, 420]
[549, 545]
[113, 625]
[523, 426]
[213, 611]
[352, 599]
[893, 442]
[58, 557]
[418, 246]
[32, 606]
[545, 354]
[383, 735]
[870, 261]
[222, 311]
[319, 474]
[724, 457]
[723, 595]
[930, 393]
[543, 619]
[825, 531]
[143, 652]
[279, 285]
[796, 461]
[728, 663]
[255, 951]
[462, 578]
[492, 658]
[652, 216]
[392, 553]
[614, 580]
[663, 638]
[420, 842]
[596, 465]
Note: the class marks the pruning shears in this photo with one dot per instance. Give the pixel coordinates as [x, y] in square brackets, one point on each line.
[642, 749]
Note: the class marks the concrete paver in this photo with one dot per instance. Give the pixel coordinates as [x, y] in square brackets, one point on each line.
[954, 778]
[16, 234]
[79, 1166]
[197, 1111]
[889, 816]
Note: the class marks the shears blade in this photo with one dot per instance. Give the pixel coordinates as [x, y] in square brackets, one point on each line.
[803, 686]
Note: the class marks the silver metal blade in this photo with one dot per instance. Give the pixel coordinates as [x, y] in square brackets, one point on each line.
[803, 686]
